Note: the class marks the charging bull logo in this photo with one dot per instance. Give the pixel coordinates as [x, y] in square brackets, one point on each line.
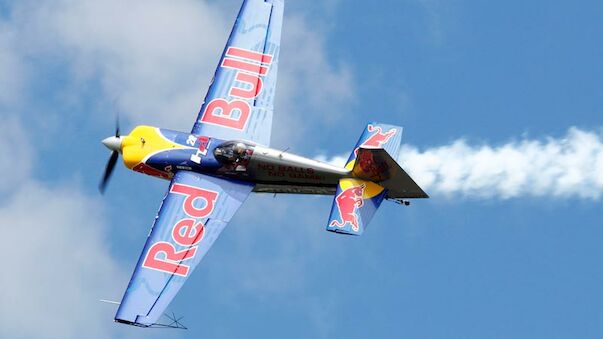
[377, 139]
[348, 202]
[380, 138]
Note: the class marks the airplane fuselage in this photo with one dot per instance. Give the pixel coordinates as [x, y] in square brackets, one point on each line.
[161, 153]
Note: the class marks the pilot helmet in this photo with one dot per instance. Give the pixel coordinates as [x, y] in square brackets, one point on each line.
[240, 148]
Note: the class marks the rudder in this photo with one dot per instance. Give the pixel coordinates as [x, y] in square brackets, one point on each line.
[356, 199]
[355, 204]
[377, 135]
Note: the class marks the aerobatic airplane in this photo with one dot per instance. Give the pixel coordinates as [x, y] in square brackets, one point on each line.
[227, 156]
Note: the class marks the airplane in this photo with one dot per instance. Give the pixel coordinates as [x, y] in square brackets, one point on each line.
[226, 156]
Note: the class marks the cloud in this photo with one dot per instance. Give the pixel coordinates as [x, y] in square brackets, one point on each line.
[11, 68]
[312, 85]
[57, 265]
[567, 167]
[16, 155]
[156, 58]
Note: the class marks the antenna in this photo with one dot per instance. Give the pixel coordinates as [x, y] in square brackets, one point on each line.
[283, 152]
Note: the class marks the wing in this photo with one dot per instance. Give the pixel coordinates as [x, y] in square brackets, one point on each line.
[240, 100]
[193, 213]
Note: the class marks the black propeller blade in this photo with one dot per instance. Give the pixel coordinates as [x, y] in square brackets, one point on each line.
[108, 171]
[117, 126]
[112, 161]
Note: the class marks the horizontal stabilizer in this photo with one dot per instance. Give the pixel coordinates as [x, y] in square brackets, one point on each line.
[378, 166]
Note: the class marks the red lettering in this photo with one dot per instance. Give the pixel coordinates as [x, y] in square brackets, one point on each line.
[250, 65]
[172, 261]
[253, 80]
[193, 233]
[226, 110]
[245, 66]
[250, 55]
[192, 194]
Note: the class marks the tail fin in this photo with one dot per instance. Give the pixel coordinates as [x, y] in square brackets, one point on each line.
[376, 176]
[378, 166]
[356, 201]
[355, 204]
[375, 135]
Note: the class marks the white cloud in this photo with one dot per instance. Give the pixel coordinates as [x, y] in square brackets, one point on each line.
[57, 266]
[157, 58]
[15, 159]
[568, 167]
[154, 57]
[11, 68]
[313, 88]
[338, 160]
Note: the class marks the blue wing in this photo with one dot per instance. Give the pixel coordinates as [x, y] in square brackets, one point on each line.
[193, 213]
[240, 100]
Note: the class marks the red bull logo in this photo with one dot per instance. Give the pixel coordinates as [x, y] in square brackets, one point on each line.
[348, 202]
[379, 138]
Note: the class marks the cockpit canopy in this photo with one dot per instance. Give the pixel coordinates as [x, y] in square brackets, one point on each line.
[230, 152]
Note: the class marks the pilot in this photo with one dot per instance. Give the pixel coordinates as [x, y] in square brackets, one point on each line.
[240, 150]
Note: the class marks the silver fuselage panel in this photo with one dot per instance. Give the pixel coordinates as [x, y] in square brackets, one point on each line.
[276, 171]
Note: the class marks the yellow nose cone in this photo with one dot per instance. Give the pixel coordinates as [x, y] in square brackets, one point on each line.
[142, 143]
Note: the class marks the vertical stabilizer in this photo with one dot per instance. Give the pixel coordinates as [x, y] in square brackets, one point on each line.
[376, 135]
[357, 199]
[355, 204]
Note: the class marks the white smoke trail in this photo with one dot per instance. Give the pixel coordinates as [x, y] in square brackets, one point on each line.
[568, 167]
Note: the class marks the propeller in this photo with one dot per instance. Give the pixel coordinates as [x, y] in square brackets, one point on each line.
[114, 144]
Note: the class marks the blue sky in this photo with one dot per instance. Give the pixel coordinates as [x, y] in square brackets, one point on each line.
[484, 90]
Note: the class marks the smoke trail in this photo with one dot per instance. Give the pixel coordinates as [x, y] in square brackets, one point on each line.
[567, 167]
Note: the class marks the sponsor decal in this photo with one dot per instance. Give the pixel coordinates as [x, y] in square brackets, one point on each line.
[201, 150]
[378, 138]
[186, 233]
[291, 172]
[250, 67]
[348, 202]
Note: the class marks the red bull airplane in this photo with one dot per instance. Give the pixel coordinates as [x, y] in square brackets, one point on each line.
[227, 156]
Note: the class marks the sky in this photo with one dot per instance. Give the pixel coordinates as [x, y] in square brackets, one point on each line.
[503, 127]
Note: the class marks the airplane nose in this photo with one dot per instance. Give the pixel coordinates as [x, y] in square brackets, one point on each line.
[113, 143]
